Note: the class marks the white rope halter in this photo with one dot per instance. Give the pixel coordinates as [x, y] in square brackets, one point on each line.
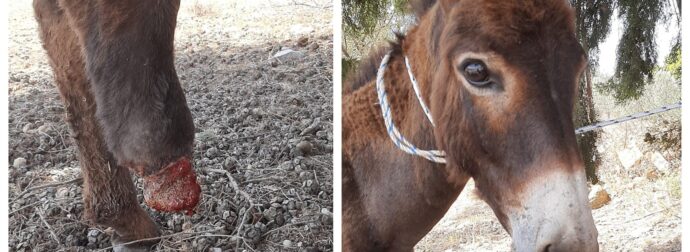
[437, 156]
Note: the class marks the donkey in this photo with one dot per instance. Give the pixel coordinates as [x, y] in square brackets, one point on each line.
[114, 67]
[499, 78]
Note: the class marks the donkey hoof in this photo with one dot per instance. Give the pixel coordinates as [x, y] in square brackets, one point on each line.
[121, 244]
[130, 248]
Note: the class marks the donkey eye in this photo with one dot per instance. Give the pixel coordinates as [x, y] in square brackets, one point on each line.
[476, 73]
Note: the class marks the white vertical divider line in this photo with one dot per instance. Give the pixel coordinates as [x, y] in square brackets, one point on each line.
[685, 137]
[4, 126]
[337, 125]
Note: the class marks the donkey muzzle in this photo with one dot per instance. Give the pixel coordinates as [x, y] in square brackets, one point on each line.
[555, 215]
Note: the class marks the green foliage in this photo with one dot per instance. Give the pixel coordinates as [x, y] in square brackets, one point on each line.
[674, 60]
[370, 23]
[348, 65]
[593, 21]
[636, 53]
[362, 17]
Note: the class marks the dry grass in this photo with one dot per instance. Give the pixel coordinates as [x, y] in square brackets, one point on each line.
[200, 9]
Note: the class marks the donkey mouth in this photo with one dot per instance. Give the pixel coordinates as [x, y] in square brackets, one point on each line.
[173, 188]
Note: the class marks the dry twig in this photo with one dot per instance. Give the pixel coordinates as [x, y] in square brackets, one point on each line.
[245, 195]
[75, 180]
[159, 238]
[50, 229]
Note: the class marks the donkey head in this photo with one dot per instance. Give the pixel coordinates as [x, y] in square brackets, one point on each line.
[503, 92]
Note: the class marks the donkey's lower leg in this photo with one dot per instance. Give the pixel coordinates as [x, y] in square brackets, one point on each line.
[109, 194]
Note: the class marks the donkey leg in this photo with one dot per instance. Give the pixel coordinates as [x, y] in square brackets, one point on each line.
[109, 194]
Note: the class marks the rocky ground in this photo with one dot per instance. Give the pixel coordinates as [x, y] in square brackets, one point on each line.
[259, 84]
[640, 170]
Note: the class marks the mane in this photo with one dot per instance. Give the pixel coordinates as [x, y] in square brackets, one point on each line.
[368, 67]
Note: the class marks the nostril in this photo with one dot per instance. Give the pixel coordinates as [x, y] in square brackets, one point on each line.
[547, 248]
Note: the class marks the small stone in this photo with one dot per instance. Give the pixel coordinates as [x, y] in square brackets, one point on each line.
[229, 162]
[280, 219]
[201, 243]
[305, 174]
[287, 244]
[187, 226]
[211, 152]
[27, 127]
[286, 166]
[304, 147]
[62, 193]
[205, 136]
[326, 219]
[313, 127]
[629, 157]
[261, 226]
[311, 186]
[43, 129]
[302, 42]
[598, 197]
[19, 162]
[288, 55]
[270, 213]
[253, 234]
[277, 199]
[291, 205]
[652, 174]
[71, 241]
[659, 161]
[92, 236]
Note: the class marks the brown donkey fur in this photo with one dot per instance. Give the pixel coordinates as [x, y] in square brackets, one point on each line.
[392, 199]
[93, 53]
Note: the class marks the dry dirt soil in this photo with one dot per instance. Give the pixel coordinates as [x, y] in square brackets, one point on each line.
[251, 110]
[644, 213]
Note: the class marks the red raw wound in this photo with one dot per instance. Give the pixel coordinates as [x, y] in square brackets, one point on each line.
[173, 189]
